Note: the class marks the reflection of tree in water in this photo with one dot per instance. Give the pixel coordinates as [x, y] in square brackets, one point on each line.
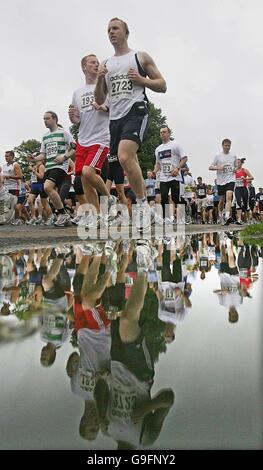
[74, 338]
[151, 326]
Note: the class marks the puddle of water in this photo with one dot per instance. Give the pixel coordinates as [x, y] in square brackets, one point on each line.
[132, 345]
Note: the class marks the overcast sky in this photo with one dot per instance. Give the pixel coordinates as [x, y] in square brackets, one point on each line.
[209, 51]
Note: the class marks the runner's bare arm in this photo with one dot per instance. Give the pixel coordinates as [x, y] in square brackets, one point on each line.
[39, 158]
[216, 167]
[154, 80]
[100, 91]
[18, 173]
[249, 177]
[157, 167]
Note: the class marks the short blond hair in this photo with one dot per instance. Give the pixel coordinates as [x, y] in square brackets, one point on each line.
[124, 24]
[83, 60]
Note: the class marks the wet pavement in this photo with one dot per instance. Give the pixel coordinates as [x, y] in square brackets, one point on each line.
[132, 344]
[25, 236]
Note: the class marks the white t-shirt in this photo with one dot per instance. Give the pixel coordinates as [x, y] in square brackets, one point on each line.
[169, 156]
[209, 200]
[94, 125]
[187, 187]
[125, 389]
[228, 174]
[171, 307]
[230, 297]
[94, 347]
[150, 187]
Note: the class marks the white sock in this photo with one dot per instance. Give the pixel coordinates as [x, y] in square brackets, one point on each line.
[2, 192]
[142, 270]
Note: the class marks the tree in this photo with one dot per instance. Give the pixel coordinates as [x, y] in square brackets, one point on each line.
[25, 148]
[146, 154]
[152, 327]
[152, 138]
[74, 130]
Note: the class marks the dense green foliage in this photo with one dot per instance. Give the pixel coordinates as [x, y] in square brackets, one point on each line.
[146, 153]
[256, 229]
[74, 130]
[253, 234]
[151, 326]
[152, 138]
[25, 148]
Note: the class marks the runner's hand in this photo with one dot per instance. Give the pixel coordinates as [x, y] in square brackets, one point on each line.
[102, 70]
[72, 111]
[175, 172]
[135, 77]
[99, 107]
[59, 159]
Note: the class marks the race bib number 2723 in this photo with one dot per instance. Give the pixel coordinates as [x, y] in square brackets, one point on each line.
[120, 89]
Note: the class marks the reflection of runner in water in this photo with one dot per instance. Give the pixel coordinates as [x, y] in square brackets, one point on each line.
[229, 295]
[93, 333]
[246, 262]
[125, 407]
[55, 332]
[55, 329]
[173, 293]
[93, 360]
[203, 255]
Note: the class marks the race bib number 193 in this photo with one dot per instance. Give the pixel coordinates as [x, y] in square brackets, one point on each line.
[87, 380]
[87, 101]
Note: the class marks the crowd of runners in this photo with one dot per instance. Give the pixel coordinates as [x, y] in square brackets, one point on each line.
[82, 182]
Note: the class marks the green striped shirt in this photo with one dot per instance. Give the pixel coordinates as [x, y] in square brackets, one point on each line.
[54, 144]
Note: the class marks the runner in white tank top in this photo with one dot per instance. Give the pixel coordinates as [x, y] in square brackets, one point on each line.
[125, 77]
[7, 203]
[12, 173]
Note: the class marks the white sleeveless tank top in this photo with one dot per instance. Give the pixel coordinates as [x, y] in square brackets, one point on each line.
[122, 92]
[10, 183]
